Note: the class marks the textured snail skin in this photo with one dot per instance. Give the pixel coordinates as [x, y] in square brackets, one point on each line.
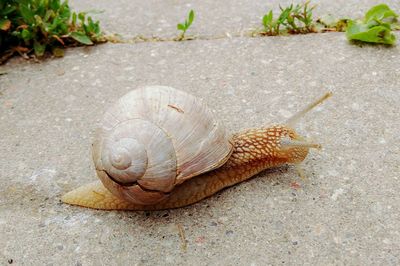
[254, 151]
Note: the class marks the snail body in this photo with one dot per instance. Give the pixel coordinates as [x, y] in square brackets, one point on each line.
[160, 148]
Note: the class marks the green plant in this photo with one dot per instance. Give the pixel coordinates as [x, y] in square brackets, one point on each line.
[186, 25]
[294, 19]
[36, 26]
[331, 23]
[376, 27]
[304, 14]
[271, 26]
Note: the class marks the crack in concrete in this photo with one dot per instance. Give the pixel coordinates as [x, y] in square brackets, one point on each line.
[116, 38]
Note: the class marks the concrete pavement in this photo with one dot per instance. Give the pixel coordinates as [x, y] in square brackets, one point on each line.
[344, 212]
[131, 18]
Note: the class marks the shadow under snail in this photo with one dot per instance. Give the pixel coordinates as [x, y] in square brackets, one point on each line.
[161, 148]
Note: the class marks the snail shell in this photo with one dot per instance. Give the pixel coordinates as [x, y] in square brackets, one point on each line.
[155, 138]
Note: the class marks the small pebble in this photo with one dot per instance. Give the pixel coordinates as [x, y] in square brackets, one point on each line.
[213, 224]
[200, 239]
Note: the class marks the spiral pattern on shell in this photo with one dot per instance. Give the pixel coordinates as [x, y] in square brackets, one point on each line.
[125, 159]
[155, 138]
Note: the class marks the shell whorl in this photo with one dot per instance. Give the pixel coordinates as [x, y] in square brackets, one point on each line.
[154, 138]
[125, 159]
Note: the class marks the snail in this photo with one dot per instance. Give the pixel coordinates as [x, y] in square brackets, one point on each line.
[161, 148]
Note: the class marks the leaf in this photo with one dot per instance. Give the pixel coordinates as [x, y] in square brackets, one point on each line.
[27, 14]
[8, 10]
[81, 17]
[283, 16]
[49, 14]
[91, 26]
[181, 27]
[377, 34]
[81, 37]
[26, 35]
[96, 28]
[39, 7]
[73, 19]
[267, 19]
[54, 5]
[5, 24]
[375, 28]
[191, 18]
[354, 28]
[379, 12]
[39, 48]
[290, 19]
[64, 10]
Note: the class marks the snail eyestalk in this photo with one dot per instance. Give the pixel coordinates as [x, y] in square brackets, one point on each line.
[295, 118]
[288, 143]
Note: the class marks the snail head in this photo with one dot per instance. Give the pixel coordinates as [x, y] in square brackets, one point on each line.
[293, 146]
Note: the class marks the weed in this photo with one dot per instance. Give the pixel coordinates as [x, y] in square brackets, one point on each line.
[272, 26]
[330, 23]
[186, 25]
[376, 27]
[36, 26]
[304, 14]
[292, 19]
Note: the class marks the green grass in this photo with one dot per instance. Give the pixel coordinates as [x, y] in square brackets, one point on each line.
[292, 19]
[34, 27]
